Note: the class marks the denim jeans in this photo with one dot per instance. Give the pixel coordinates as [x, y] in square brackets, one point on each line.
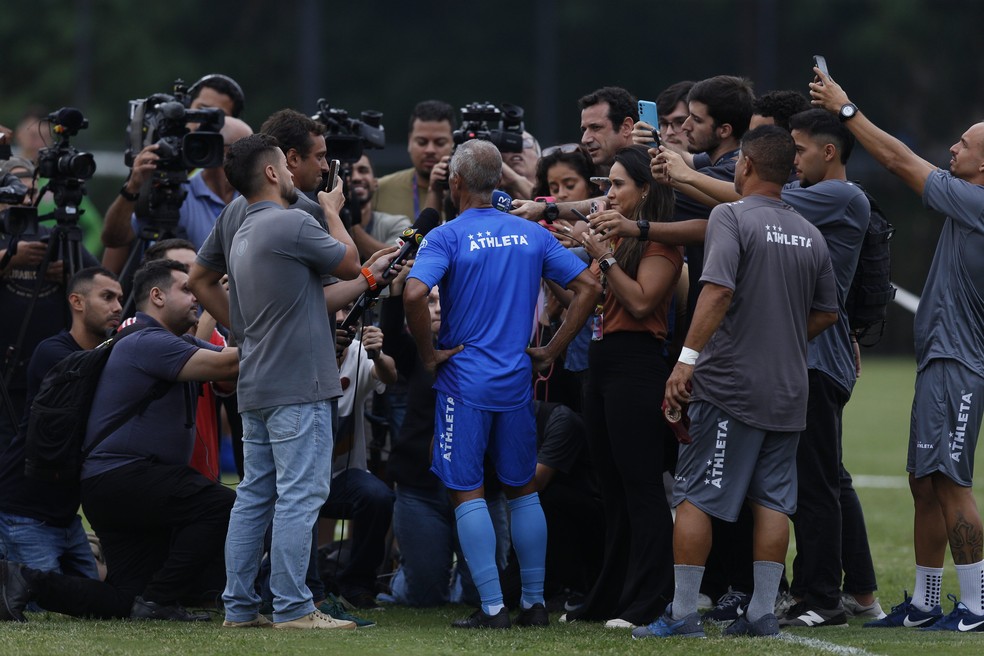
[423, 524]
[41, 546]
[287, 456]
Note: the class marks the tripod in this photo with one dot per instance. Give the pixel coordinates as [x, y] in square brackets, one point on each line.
[64, 244]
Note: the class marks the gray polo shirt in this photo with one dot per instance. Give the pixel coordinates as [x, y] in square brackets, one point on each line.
[777, 264]
[950, 319]
[840, 210]
[276, 263]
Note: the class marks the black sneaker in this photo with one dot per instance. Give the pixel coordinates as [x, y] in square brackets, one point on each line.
[802, 614]
[482, 620]
[767, 625]
[729, 607]
[14, 592]
[535, 615]
[149, 610]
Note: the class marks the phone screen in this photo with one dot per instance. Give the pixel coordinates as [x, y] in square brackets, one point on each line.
[820, 62]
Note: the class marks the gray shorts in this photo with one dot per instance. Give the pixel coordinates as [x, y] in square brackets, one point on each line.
[729, 461]
[946, 420]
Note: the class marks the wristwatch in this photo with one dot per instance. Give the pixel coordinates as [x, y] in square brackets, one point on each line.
[607, 263]
[551, 212]
[848, 111]
[127, 195]
[643, 229]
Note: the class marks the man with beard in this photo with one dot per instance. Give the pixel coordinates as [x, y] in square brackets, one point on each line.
[405, 192]
[162, 524]
[277, 261]
[39, 522]
[374, 230]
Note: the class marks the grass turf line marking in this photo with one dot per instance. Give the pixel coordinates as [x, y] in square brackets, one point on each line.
[824, 646]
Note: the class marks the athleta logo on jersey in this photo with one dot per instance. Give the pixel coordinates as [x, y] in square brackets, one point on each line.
[715, 467]
[481, 240]
[957, 436]
[446, 439]
[775, 234]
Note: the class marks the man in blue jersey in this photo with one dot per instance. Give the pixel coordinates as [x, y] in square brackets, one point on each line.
[949, 336]
[489, 265]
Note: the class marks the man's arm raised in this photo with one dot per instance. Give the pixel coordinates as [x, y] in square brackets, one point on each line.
[886, 149]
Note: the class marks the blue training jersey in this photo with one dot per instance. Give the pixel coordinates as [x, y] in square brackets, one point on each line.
[488, 265]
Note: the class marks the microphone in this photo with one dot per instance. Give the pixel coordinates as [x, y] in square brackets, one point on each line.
[412, 236]
[501, 201]
[68, 119]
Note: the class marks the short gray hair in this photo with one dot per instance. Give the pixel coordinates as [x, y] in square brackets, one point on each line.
[479, 165]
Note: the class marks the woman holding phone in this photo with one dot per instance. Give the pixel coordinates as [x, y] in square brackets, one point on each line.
[631, 445]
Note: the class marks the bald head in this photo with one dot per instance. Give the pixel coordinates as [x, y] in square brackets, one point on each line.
[234, 129]
[477, 165]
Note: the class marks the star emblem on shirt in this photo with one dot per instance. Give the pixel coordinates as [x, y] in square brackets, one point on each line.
[707, 481]
[471, 236]
[488, 234]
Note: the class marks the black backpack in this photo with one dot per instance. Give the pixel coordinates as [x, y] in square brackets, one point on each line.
[60, 412]
[871, 290]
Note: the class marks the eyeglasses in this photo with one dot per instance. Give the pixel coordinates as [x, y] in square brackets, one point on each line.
[566, 148]
[676, 123]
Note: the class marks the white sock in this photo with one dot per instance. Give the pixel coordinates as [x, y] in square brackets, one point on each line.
[971, 578]
[929, 583]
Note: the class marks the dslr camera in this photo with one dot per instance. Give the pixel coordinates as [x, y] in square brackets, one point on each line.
[503, 125]
[66, 167]
[346, 137]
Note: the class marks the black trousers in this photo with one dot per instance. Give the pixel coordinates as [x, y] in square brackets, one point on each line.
[817, 522]
[162, 529]
[630, 446]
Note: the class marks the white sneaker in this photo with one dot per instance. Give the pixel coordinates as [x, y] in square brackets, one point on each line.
[619, 623]
[784, 601]
[854, 609]
[260, 622]
[704, 602]
[315, 620]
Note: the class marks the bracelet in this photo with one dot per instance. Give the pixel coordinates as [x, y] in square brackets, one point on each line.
[371, 279]
[688, 356]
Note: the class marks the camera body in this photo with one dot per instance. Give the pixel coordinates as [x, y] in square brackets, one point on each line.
[347, 137]
[502, 126]
[66, 167]
[162, 119]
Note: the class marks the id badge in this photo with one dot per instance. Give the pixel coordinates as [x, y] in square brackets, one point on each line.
[598, 324]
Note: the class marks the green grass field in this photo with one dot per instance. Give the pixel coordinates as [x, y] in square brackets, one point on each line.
[876, 430]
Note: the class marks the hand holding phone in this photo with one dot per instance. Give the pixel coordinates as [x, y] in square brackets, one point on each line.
[332, 174]
[648, 113]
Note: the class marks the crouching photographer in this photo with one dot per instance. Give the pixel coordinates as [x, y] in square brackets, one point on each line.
[162, 525]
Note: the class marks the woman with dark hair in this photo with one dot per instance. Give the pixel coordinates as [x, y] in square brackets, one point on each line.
[564, 172]
[630, 443]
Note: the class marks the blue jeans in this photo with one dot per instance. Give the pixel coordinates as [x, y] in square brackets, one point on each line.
[423, 524]
[48, 548]
[287, 459]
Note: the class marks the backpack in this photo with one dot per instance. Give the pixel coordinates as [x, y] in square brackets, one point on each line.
[60, 413]
[871, 290]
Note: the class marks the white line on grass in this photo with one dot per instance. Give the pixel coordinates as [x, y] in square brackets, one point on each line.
[824, 646]
[882, 482]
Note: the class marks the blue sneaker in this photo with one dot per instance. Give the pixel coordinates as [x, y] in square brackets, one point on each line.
[907, 615]
[961, 620]
[691, 626]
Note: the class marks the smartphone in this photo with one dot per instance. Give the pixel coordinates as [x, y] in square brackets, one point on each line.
[820, 62]
[647, 113]
[332, 174]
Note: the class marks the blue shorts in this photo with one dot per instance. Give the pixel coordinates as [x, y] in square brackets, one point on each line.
[464, 435]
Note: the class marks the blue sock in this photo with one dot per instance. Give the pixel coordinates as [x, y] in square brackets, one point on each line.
[529, 537]
[477, 538]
